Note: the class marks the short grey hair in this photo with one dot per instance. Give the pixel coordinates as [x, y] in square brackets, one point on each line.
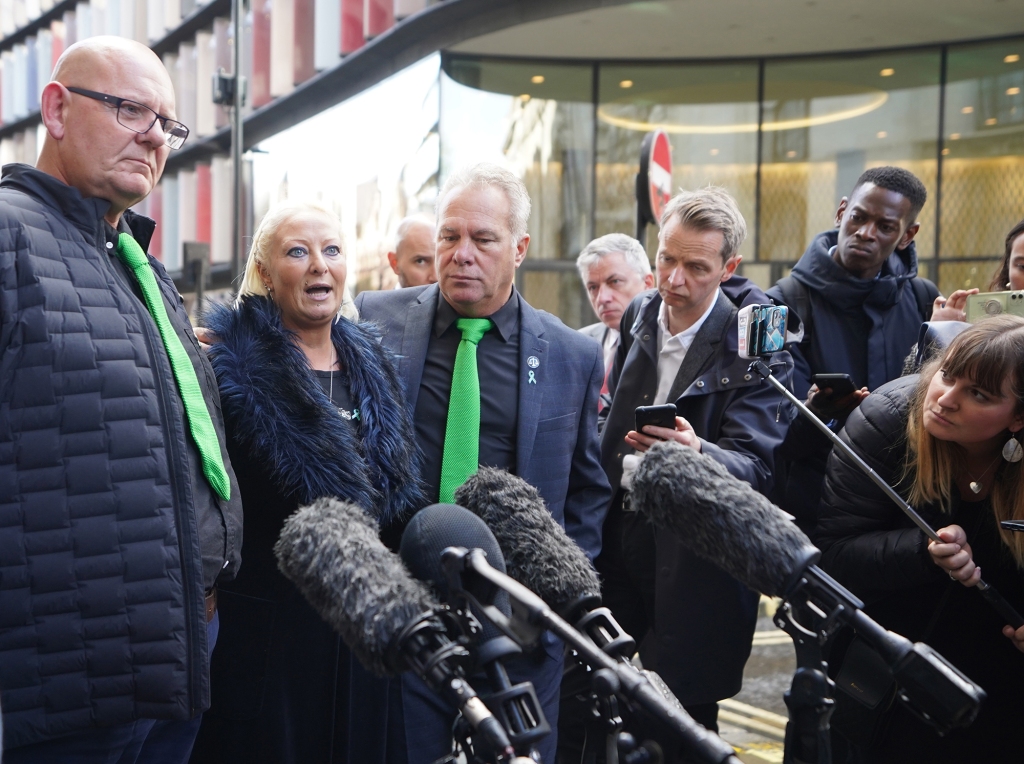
[486, 174]
[632, 252]
[709, 209]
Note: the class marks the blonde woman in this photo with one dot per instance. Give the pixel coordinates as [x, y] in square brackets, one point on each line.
[949, 441]
[313, 408]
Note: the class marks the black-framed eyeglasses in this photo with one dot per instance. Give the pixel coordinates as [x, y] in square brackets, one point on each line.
[139, 117]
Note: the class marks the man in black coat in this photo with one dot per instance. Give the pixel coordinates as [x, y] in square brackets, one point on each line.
[679, 345]
[115, 526]
[861, 306]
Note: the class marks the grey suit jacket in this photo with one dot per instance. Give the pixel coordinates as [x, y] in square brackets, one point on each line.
[597, 331]
[557, 448]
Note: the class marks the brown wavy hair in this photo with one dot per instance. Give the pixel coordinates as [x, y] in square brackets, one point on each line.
[1000, 282]
[988, 353]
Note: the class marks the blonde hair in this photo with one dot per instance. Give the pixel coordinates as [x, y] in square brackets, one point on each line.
[988, 353]
[711, 208]
[252, 282]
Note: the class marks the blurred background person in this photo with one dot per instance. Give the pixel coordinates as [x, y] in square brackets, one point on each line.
[949, 441]
[412, 259]
[614, 269]
[313, 408]
[1011, 271]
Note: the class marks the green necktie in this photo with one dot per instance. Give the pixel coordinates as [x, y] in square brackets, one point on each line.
[462, 433]
[198, 415]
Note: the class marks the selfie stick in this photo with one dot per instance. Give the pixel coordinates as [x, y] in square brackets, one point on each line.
[993, 597]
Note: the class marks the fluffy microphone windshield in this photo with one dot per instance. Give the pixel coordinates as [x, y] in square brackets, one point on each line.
[331, 551]
[538, 552]
[720, 518]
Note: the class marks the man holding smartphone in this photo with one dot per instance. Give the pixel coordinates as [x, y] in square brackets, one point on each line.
[678, 348]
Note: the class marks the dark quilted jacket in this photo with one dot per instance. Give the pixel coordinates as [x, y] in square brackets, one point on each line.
[106, 523]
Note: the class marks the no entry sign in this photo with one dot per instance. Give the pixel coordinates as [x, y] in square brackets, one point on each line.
[654, 181]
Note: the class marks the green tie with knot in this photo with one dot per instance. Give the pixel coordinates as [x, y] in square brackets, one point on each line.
[196, 413]
[462, 433]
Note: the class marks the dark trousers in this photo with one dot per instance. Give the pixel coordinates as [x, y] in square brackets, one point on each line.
[143, 741]
[626, 565]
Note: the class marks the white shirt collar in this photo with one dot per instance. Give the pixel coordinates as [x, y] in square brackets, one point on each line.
[686, 336]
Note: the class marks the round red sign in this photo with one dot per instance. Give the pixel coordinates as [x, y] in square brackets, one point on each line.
[659, 174]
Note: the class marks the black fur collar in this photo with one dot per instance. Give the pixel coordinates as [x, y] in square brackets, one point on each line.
[278, 411]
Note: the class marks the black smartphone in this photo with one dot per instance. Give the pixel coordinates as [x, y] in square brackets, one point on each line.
[659, 416]
[1012, 525]
[840, 384]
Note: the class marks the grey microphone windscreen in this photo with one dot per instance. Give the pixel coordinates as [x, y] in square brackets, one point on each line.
[538, 552]
[332, 553]
[720, 518]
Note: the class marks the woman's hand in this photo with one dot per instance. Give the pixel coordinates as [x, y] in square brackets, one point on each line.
[1017, 637]
[205, 337]
[954, 556]
[682, 434]
[952, 308]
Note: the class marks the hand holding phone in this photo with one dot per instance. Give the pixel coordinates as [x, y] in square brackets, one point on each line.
[658, 416]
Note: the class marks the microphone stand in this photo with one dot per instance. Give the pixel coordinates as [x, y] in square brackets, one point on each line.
[531, 615]
[1005, 610]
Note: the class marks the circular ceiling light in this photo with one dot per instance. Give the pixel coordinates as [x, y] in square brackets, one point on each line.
[537, 79]
[887, 72]
[626, 84]
[872, 101]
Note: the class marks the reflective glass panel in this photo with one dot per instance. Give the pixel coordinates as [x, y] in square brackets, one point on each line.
[983, 158]
[709, 112]
[825, 121]
[537, 119]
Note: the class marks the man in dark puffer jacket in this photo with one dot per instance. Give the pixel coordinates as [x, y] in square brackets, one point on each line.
[114, 525]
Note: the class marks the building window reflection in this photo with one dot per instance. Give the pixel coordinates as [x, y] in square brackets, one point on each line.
[983, 159]
[825, 121]
[710, 115]
[536, 118]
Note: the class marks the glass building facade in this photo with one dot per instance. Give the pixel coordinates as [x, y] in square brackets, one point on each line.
[786, 136]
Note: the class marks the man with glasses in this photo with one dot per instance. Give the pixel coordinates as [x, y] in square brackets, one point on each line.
[119, 512]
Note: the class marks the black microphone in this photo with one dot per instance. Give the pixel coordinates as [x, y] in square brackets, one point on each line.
[332, 553]
[428, 534]
[727, 522]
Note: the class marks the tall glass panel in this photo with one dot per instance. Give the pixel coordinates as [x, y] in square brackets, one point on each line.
[709, 112]
[537, 120]
[983, 159]
[825, 121]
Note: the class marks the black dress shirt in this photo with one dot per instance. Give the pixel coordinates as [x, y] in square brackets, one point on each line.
[497, 358]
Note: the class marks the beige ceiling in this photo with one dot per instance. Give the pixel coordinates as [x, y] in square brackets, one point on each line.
[741, 28]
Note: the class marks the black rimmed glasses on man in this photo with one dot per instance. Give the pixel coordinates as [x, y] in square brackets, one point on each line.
[139, 117]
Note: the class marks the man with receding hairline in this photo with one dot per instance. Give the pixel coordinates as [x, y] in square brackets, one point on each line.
[412, 258]
[119, 512]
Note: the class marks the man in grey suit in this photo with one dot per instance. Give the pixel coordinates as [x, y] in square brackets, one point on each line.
[614, 269]
[538, 384]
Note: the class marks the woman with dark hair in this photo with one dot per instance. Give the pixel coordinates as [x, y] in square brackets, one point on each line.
[1011, 271]
[948, 440]
[313, 408]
